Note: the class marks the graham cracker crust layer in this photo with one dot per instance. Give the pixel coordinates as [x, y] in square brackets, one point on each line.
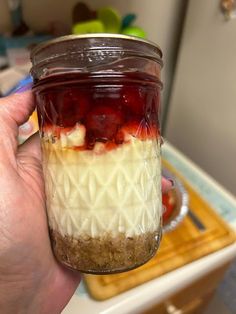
[103, 255]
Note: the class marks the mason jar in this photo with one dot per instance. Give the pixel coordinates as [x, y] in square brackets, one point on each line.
[98, 104]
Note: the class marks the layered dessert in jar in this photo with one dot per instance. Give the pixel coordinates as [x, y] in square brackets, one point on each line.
[101, 150]
[100, 139]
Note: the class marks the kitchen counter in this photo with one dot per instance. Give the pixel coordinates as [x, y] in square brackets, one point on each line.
[155, 291]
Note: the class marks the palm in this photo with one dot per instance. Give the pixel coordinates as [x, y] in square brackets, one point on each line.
[23, 225]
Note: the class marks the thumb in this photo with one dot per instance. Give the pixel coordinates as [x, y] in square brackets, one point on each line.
[167, 184]
[16, 109]
[31, 148]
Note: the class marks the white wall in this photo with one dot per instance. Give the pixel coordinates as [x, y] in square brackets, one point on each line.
[160, 19]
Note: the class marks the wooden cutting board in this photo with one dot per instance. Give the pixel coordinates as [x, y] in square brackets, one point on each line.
[200, 234]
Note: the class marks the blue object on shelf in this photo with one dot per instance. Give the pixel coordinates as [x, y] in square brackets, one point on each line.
[23, 85]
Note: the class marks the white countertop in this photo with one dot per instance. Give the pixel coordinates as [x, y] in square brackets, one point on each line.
[155, 291]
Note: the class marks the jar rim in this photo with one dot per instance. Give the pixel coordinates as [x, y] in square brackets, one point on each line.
[60, 39]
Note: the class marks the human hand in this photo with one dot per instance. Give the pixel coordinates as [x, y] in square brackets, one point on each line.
[31, 280]
[166, 184]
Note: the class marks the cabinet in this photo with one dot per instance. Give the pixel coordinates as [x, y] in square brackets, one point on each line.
[194, 298]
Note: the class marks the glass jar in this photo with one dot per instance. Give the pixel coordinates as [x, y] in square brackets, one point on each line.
[98, 101]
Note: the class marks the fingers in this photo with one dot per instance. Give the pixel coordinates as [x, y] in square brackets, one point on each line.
[166, 184]
[31, 147]
[16, 109]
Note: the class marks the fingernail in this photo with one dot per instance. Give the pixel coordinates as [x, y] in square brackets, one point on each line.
[23, 88]
[172, 182]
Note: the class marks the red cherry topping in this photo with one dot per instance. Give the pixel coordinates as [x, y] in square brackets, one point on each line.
[72, 108]
[134, 99]
[169, 204]
[111, 113]
[103, 121]
[141, 130]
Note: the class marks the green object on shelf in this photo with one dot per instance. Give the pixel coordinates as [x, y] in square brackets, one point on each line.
[110, 19]
[92, 26]
[134, 31]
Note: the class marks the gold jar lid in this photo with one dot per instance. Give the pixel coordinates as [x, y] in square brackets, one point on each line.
[87, 53]
[96, 38]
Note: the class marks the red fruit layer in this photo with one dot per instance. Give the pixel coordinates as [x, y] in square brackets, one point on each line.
[140, 129]
[169, 205]
[108, 110]
[104, 121]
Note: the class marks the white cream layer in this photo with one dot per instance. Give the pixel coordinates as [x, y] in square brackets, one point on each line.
[92, 192]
